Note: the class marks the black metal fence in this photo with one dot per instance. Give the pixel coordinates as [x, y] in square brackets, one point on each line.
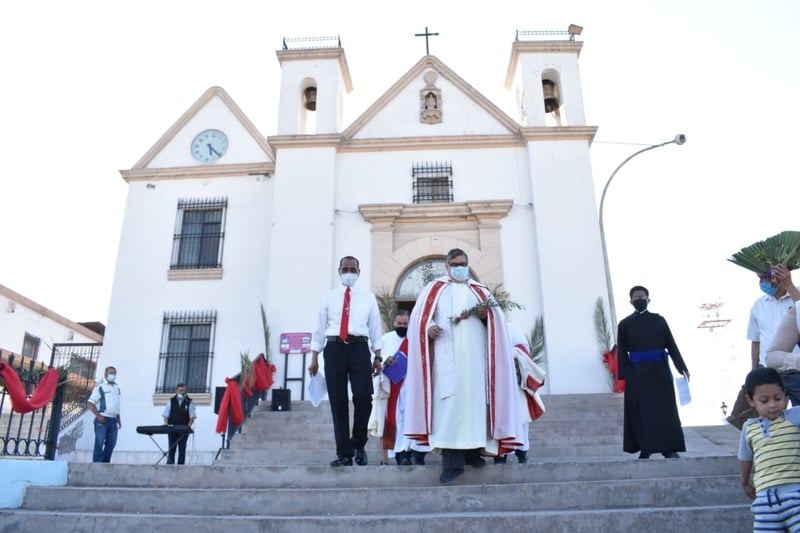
[80, 362]
[35, 434]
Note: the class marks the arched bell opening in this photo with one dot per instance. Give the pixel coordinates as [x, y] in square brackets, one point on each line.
[308, 110]
[552, 99]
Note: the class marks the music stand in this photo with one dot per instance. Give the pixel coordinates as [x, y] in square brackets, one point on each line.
[163, 430]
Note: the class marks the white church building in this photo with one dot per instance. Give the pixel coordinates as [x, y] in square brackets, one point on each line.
[221, 220]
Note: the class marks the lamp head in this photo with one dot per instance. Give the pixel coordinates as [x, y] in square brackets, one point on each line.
[680, 139]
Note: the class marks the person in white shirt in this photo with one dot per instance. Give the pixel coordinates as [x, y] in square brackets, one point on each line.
[782, 354]
[104, 403]
[347, 321]
[765, 315]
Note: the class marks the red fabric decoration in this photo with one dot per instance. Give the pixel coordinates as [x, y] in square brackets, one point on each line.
[41, 395]
[263, 372]
[611, 361]
[231, 405]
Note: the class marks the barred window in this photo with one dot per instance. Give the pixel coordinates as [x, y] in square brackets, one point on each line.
[30, 346]
[187, 351]
[433, 182]
[199, 232]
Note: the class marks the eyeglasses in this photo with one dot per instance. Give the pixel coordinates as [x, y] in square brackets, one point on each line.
[457, 264]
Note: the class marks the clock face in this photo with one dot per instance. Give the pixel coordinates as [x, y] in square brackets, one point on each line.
[209, 146]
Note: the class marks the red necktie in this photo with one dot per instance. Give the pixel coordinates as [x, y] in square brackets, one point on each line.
[345, 315]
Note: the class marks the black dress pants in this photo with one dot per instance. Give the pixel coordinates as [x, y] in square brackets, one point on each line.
[177, 440]
[349, 362]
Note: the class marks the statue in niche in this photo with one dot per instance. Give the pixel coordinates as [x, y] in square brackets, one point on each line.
[430, 99]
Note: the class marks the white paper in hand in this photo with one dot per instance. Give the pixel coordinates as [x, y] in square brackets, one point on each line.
[317, 389]
[682, 384]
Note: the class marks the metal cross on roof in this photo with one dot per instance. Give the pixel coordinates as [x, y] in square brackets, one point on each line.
[426, 35]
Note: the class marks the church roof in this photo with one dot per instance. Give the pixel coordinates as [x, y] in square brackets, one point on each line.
[146, 166]
[458, 91]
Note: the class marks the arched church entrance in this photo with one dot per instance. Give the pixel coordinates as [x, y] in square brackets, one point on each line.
[410, 243]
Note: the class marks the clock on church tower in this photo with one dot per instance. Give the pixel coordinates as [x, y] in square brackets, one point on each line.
[209, 146]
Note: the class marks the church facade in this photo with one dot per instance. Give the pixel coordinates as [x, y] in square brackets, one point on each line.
[221, 220]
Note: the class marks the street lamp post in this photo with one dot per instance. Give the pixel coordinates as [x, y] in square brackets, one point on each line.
[679, 139]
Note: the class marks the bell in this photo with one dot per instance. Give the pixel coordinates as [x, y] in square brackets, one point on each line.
[550, 91]
[310, 98]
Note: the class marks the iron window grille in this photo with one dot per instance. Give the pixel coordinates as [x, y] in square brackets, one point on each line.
[187, 351]
[199, 233]
[433, 182]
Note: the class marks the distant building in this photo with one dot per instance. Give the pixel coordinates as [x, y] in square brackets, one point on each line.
[30, 330]
[221, 219]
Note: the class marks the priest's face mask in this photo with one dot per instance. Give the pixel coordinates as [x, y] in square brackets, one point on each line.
[458, 268]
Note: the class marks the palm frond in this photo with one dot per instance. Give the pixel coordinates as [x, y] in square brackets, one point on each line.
[387, 306]
[265, 326]
[502, 297]
[536, 340]
[247, 370]
[762, 256]
[601, 326]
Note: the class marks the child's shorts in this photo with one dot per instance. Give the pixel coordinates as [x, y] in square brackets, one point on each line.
[777, 508]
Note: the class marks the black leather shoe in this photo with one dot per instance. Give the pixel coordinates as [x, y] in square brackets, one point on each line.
[644, 455]
[500, 460]
[671, 455]
[342, 461]
[417, 458]
[450, 474]
[361, 457]
[522, 456]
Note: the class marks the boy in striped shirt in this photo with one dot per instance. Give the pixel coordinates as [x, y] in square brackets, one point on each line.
[771, 444]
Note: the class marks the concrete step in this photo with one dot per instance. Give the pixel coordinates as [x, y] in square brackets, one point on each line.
[712, 519]
[261, 477]
[275, 477]
[505, 497]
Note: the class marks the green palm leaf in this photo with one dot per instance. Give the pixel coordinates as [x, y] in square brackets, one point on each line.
[762, 256]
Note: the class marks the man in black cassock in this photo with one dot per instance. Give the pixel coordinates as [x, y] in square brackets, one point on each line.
[644, 342]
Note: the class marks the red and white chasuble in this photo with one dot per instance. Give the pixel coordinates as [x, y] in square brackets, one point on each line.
[461, 387]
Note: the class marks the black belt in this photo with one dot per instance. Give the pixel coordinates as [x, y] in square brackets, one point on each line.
[350, 339]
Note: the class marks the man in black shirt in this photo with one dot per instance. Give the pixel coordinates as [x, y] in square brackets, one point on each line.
[179, 411]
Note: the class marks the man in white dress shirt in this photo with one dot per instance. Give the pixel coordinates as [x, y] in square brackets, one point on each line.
[347, 320]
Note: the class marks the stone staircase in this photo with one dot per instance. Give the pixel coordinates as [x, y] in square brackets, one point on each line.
[275, 478]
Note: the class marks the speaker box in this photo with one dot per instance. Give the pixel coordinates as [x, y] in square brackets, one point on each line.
[219, 392]
[281, 399]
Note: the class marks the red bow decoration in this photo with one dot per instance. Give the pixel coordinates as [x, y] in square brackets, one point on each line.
[41, 395]
[610, 359]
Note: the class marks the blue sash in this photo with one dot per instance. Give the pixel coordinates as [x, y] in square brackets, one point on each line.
[647, 356]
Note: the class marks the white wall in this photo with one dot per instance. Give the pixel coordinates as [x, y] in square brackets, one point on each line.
[141, 293]
[570, 262]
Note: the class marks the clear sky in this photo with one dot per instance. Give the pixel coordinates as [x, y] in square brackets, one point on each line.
[89, 86]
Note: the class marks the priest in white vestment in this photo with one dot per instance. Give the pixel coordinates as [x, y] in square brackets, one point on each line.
[461, 382]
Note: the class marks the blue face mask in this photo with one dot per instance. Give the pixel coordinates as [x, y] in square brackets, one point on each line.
[767, 288]
[460, 273]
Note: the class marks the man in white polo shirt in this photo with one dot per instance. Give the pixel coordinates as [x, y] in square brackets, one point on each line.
[104, 403]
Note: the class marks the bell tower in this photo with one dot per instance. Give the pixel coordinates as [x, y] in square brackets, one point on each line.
[314, 79]
[544, 76]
